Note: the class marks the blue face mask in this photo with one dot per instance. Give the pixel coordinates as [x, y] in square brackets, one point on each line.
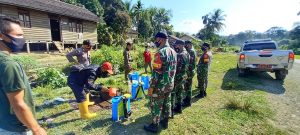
[16, 44]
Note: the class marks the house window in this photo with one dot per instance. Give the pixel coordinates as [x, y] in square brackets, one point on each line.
[75, 26]
[24, 19]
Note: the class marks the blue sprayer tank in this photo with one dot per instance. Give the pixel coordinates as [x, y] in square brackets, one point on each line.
[118, 109]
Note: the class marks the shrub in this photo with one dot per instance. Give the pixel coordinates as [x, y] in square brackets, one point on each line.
[113, 55]
[27, 62]
[51, 77]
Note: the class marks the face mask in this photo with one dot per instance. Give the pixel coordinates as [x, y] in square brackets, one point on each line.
[16, 44]
[203, 48]
[157, 44]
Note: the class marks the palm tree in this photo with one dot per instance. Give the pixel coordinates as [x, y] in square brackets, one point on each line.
[138, 8]
[161, 17]
[214, 21]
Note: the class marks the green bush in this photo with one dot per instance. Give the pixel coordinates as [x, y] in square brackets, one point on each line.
[115, 56]
[51, 77]
[27, 62]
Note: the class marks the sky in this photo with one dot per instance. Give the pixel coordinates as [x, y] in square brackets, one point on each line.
[241, 15]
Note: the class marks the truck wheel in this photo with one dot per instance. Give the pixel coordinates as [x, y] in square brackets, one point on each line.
[241, 72]
[280, 75]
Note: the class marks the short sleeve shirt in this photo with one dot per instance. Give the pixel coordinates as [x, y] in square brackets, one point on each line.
[12, 79]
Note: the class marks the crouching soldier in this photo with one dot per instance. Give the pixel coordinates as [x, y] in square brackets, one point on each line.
[81, 80]
[180, 76]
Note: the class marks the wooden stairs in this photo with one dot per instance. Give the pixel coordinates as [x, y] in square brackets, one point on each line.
[59, 46]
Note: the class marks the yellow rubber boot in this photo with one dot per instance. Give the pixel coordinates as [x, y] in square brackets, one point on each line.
[88, 99]
[84, 111]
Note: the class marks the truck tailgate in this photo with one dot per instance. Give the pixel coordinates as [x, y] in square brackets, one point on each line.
[274, 57]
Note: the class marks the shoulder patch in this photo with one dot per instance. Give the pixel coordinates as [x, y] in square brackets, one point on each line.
[157, 64]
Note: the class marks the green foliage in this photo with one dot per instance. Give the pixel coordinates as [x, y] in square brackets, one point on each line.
[113, 55]
[52, 77]
[104, 34]
[27, 62]
[144, 28]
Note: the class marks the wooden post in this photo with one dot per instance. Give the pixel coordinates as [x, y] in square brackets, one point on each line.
[63, 45]
[47, 46]
[27, 47]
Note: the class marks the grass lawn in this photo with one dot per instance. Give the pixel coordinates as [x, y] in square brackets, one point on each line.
[232, 107]
[297, 57]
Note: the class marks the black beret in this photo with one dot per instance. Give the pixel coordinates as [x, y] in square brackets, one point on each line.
[180, 42]
[188, 42]
[161, 35]
[206, 44]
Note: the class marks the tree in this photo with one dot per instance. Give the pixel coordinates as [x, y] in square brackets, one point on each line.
[276, 33]
[144, 28]
[162, 17]
[295, 33]
[214, 21]
[138, 8]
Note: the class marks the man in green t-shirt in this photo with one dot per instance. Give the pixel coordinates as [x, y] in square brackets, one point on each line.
[17, 113]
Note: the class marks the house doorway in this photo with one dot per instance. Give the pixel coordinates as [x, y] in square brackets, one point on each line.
[55, 29]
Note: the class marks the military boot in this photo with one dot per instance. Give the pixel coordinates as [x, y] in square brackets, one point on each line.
[165, 123]
[151, 128]
[200, 95]
[178, 108]
[187, 102]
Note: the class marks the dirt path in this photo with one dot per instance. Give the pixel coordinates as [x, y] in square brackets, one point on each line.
[284, 98]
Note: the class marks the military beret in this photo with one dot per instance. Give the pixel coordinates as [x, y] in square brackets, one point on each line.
[206, 45]
[179, 42]
[161, 35]
[188, 42]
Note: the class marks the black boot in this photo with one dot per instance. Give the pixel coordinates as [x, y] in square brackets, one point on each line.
[151, 128]
[204, 94]
[200, 95]
[178, 108]
[187, 102]
[165, 123]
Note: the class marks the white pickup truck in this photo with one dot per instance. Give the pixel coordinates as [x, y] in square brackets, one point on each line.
[264, 55]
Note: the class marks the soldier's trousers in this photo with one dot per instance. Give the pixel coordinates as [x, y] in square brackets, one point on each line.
[188, 85]
[176, 96]
[160, 106]
[202, 74]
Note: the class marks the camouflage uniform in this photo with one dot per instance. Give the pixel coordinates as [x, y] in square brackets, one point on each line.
[190, 74]
[202, 72]
[180, 78]
[127, 62]
[162, 82]
[83, 58]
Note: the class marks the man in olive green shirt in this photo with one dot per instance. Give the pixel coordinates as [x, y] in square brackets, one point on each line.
[16, 105]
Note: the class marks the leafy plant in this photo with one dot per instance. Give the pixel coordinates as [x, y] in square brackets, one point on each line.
[51, 77]
[27, 62]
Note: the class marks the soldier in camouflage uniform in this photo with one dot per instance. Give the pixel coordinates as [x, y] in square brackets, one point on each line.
[162, 83]
[180, 77]
[190, 73]
[202, 69]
